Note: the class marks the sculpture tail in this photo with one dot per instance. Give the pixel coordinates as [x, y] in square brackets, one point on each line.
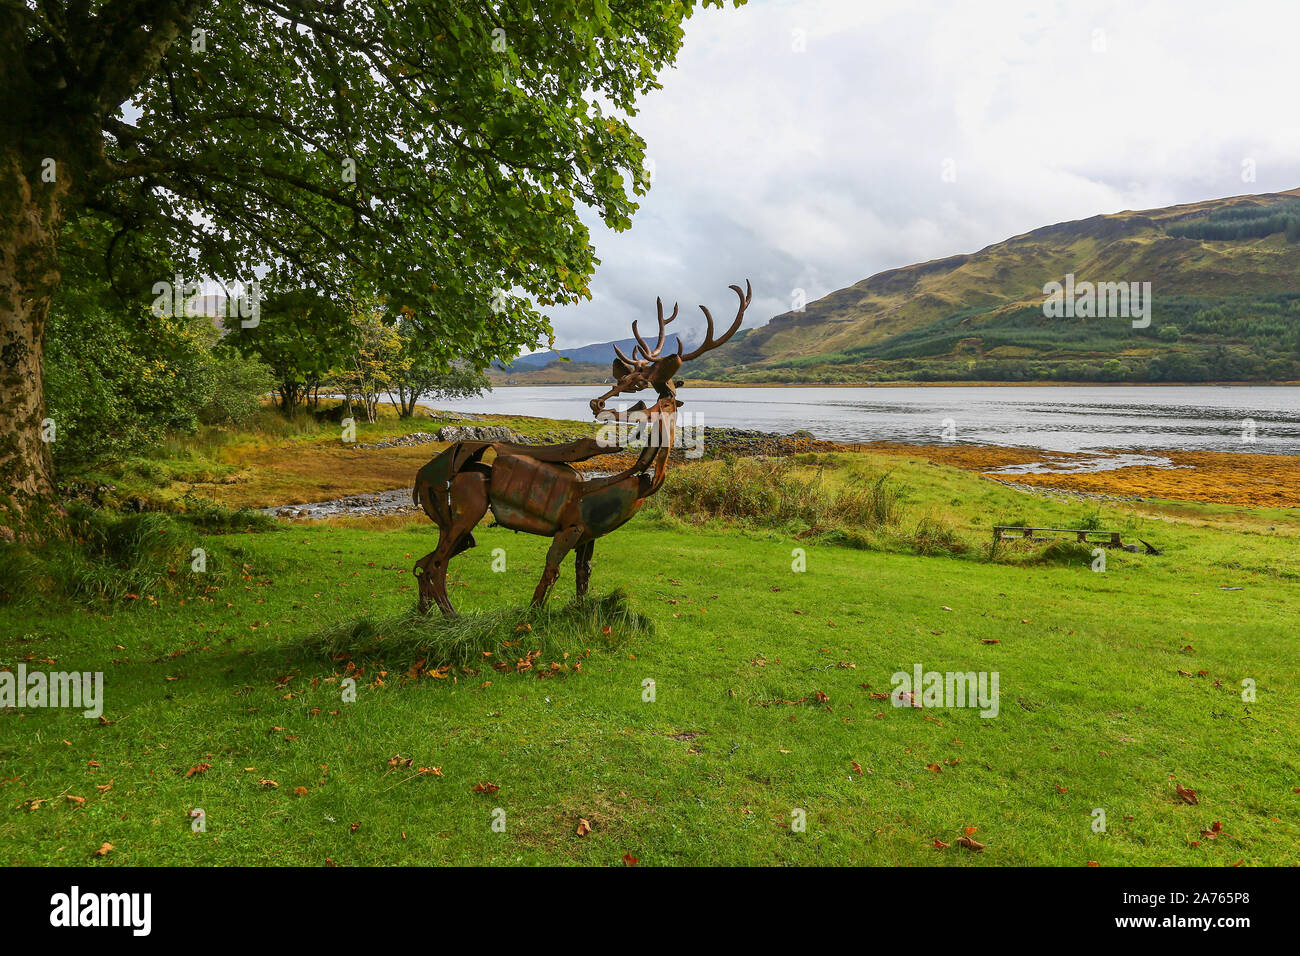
[431, 482]
[434, 479]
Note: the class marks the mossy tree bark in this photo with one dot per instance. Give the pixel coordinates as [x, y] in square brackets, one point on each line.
[29, 274]
[59, 92]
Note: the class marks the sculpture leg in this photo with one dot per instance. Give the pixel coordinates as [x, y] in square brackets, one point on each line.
[469, 502]
[582, 565]
[431, 572]
[562, 545]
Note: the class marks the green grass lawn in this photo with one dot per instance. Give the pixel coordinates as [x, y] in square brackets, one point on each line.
[763, 682]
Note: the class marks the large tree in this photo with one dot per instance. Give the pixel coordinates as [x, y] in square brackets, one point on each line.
[434, 151]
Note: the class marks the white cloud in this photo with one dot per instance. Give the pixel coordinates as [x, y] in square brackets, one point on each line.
[816, 169]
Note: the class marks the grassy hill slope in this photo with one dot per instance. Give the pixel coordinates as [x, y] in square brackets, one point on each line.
[1223, 308]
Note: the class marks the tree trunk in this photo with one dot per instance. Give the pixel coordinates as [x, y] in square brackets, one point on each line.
[291, 395]
[31, 211]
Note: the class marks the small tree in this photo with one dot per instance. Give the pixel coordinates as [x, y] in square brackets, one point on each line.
[372, 366]
[417, 374]
[121, 377]
[301, 337]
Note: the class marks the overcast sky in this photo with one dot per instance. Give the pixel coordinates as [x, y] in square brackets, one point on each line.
[804, 145]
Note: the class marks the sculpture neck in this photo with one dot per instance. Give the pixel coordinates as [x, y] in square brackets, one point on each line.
[661, 424]
[666, 433]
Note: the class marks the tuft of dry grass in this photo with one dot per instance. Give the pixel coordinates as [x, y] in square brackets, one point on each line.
[775, 493]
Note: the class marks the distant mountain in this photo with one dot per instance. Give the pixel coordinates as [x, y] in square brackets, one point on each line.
[588, 363]
[600, 353]
[1225, 283]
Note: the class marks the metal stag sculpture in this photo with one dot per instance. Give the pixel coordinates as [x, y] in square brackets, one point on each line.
[536, 489]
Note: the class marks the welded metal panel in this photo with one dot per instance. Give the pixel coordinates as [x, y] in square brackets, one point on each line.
[536, 488]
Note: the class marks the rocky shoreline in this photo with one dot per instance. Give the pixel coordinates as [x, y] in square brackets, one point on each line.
[396, 501]
[717, 441]
[734, 441]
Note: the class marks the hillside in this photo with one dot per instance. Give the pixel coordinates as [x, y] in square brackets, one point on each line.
[1225, 283]
[1225, 306]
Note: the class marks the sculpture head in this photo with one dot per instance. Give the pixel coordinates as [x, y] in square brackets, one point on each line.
[649, 368]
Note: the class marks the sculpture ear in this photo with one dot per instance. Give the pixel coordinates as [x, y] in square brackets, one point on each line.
[664, 369]
[621, 369]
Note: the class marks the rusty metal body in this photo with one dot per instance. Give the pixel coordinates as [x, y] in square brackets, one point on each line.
[536, 490]
[530, 495]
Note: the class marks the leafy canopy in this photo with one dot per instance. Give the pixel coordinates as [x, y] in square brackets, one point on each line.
[434, 153]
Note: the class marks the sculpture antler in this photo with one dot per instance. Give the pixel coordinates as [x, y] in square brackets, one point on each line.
[630, 363]
[709, 342]
[649, 353]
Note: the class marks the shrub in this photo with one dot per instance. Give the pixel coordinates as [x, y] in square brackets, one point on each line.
[1065, 553]
[239, 382]
[934, 536]
[1027, 552]
[201, 513]
[1091, 520]
[115, 381]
